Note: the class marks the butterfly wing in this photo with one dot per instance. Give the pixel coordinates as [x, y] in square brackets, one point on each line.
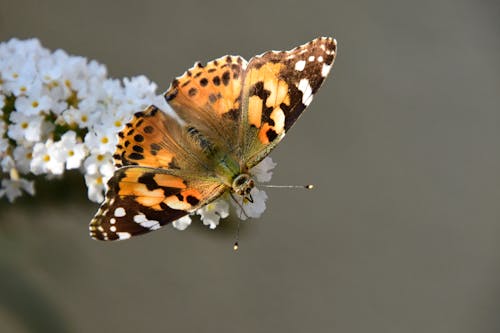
[142, 199]
[277, 87]
[208, 99]
[163, 176]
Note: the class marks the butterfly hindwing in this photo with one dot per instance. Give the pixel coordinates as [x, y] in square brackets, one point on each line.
[162, 176]
[277, 87]
[142, 199]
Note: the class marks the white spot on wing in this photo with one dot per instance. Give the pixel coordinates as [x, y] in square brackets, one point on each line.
[306, 89]
[120, 212]
[300, 65]
[112, 228]
[325, 70]
[311, 58]
[145, 223]
[320, 59]
[123, 235]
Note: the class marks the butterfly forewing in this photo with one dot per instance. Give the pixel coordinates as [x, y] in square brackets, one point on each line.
[277, 87]
[208, 98]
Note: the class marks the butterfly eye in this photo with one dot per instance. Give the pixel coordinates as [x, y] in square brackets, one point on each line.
[240, 181]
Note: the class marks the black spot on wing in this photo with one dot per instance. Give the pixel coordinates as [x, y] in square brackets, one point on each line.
[193, 201]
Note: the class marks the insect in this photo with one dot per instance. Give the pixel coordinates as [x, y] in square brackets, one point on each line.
[234, 113]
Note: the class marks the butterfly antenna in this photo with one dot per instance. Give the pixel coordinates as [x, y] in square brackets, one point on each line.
[236, 245]
[307, 187]
[242, 211]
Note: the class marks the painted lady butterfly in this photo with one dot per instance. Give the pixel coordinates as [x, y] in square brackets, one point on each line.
[234, 112]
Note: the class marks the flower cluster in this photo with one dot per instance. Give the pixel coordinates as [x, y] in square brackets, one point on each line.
[60, 112]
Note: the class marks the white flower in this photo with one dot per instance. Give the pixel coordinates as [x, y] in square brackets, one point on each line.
[33, 104]
[49, 70]
[23, 156]
[182, 223]
[25, 127]
[18, 75]
[7, 164]
[74, 151]
[263, 170]
[211, 213]
[14, 188]
[115, 121]
[96, 187]
[99, 164]
[139, 92]
[4, 145]
[102, 140]
[251, 209]
[47, 158]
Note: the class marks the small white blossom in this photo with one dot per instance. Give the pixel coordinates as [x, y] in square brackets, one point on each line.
[47, 158]
[73, 150]
[14, 188]
[7, 164]
[102, 140]
[33, 104]
[83, 116]
[182, 223]
[24, 127]
[99, 164]
[19, 76]
[95, 187]
[251, 209]
[263, 171]
[211, 213]
[23, 156]
[4, 145]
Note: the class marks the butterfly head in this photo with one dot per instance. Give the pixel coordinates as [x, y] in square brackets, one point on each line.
[242, 185]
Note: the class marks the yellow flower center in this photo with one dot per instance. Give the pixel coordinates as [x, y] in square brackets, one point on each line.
[104, 140]
[71, 153]
[24, 125]
[99, 180]
[46, 158]
[35, 104]
[118, 123]
[84, 118]
[100, 157]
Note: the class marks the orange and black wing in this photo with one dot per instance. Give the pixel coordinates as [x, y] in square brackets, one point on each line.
[163, 175]
[277, 87]
[207, 97]
[142, 199]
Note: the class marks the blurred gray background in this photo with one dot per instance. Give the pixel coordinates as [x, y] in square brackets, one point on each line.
[401, 234]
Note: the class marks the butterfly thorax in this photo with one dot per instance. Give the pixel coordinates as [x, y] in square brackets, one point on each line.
[234, 176]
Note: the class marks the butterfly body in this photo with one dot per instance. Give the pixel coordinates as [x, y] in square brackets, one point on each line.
[233, 114]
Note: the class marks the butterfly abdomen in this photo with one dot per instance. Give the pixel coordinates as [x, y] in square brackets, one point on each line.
[201, 140]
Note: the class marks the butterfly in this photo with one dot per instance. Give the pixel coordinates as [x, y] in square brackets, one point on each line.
[232, 112]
